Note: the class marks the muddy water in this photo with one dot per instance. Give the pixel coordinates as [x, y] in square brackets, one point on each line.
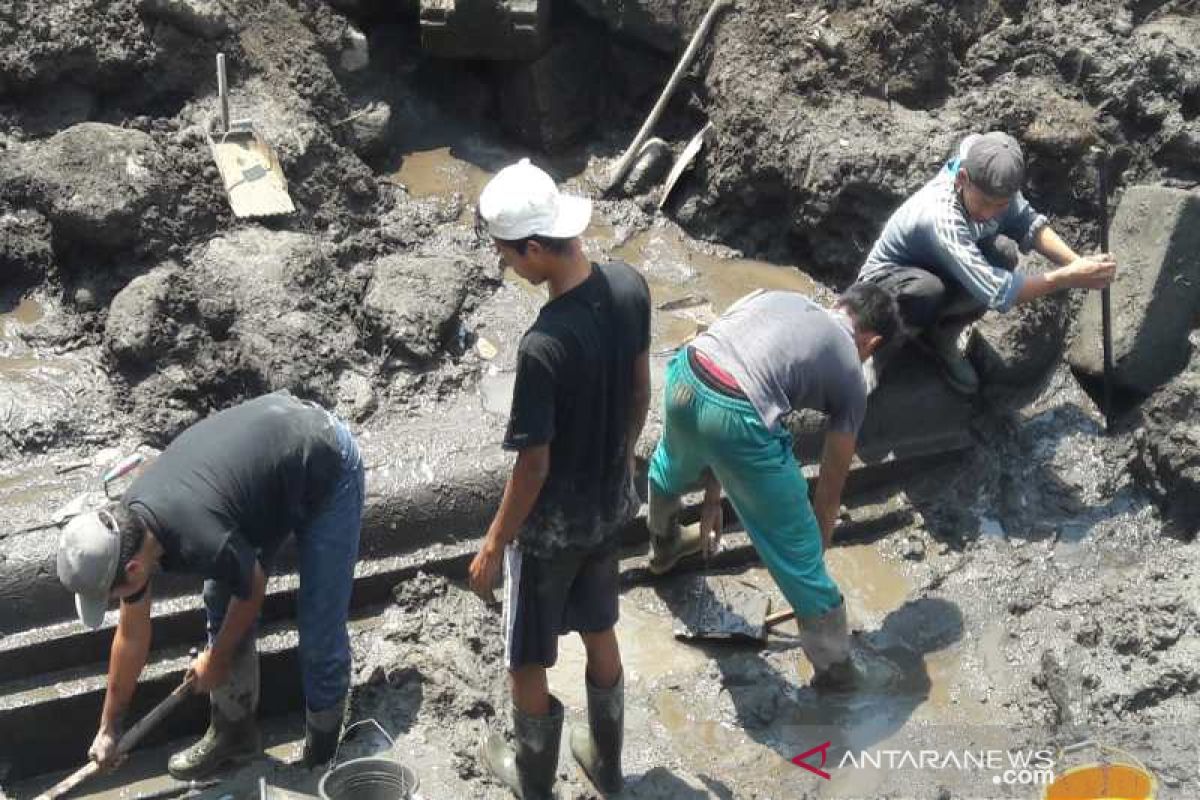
[691, 282]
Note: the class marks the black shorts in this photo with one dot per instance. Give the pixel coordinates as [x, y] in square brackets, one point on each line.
[545, 598]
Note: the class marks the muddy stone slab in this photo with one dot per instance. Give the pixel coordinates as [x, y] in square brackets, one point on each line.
[204, 18]
[1155, 237]
[95, 182]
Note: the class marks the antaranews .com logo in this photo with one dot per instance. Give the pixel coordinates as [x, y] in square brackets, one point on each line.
[1020, 767]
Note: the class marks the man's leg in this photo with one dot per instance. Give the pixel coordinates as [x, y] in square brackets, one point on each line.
[592, 609]
[675, 468]
[232, 734]
[767, 488]
[328, 547]
[534, 596]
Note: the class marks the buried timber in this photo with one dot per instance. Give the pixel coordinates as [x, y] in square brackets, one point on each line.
[1015, 581]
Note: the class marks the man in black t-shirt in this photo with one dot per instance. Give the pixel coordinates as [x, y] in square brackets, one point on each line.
[218, 503]
[580, 400]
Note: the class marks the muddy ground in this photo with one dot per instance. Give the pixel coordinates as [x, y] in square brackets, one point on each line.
[1040, 592]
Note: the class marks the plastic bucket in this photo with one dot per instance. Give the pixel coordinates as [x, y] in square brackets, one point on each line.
[1125, 779]
[370, 778]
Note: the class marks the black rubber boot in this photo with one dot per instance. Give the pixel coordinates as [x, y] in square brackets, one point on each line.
[322, 732]
[529, 768]
[598, 747]
[669, 541]
[232, 737]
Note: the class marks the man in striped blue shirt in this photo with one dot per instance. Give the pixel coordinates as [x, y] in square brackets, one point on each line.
[940, 255]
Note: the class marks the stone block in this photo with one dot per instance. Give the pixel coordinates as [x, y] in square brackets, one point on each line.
[485, 29]
[913, 413]
[1155, 237]
[205, 18]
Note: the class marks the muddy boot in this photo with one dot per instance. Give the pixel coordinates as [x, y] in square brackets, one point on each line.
[529, 769]
[669, 541]
[232, 737]
[826, 642]
[597, 748]
[322, 732]
[942, 342]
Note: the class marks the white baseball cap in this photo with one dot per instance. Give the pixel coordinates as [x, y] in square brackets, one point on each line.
[522, 201]
[88, 551]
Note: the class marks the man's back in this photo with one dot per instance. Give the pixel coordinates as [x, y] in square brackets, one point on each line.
[787, 352]
[574, 392]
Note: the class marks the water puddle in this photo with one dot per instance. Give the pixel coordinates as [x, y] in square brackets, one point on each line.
[438, 173]
[872, 585]
[649, 651]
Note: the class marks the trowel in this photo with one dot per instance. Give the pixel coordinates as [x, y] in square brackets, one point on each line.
[249, 168]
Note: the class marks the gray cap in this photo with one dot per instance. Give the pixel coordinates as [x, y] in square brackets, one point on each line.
[996, 164]
[88, 551]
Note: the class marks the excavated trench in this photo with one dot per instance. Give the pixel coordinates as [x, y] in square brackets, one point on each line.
[999, 554]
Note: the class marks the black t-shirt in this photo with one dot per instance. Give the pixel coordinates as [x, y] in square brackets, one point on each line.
[573, 391]
[231, 488]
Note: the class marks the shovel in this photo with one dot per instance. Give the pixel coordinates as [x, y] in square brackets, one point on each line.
[249, 168]
[127, 742]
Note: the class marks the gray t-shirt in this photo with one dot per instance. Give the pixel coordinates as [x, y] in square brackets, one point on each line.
[788, 353]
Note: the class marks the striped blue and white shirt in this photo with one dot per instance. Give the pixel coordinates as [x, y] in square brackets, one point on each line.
[933, 231]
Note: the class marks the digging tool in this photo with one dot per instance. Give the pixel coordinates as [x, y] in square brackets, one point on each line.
[685, 161]
[250, 170]
[128, 741]
[635, 148]
[1105, 293]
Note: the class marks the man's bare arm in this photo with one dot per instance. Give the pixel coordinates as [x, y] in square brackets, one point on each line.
[520, 493]
[836, 456]
[130, 649]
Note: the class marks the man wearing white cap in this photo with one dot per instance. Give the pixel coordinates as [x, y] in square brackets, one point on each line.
[580, 399]
[218, 503]
[941, 258]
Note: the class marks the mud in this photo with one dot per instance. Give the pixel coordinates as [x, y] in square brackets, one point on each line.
[1039, 592]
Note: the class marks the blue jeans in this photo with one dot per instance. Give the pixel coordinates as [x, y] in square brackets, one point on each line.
[328, 546]
[704, 428]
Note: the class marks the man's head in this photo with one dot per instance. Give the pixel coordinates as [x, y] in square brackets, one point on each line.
[873, 311]
[992, 171]
[103, 556]
[534, 226]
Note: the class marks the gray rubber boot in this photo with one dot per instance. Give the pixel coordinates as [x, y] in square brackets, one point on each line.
[669, 541]
[529, 768]
[232, 736]
[826, 642]
[322, 732]
[942, 342]
[597, 748]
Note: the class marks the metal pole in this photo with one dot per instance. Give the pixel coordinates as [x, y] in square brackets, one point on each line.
[626, 163]
[223, 91]
[1105, 293]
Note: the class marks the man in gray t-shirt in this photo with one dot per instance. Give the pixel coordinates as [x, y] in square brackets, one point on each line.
[725, 395]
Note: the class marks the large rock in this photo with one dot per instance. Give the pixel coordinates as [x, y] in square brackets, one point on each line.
[286, 293]
[1155, 236]
[413, 302]
[1016, 351]
[95, 43]
[96, 183]
[1167, 455]
[144, 318]
[206, 18]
